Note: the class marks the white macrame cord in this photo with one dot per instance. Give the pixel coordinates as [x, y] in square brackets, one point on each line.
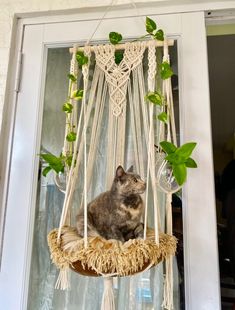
[118, 86]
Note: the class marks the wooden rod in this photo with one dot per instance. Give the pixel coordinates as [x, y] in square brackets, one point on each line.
[170, 42]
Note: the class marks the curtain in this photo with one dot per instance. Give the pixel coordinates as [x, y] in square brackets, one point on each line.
[141, 291]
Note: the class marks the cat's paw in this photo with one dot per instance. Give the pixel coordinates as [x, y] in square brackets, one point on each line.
[139, 231]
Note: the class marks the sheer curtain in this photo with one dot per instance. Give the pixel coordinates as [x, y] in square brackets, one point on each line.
[142, 291]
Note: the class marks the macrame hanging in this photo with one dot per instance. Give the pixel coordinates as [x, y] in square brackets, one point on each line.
[119, 85]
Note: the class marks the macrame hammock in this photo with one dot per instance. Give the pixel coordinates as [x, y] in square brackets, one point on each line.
[120, 84]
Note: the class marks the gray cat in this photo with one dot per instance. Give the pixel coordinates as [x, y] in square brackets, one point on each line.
[116, 214]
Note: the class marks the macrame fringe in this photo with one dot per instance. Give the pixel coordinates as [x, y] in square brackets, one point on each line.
[108, 302]
[168, 285]
[168, 302]
[109, 256]
[63, 282]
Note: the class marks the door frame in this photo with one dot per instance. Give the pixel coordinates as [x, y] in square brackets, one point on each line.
[191, 291]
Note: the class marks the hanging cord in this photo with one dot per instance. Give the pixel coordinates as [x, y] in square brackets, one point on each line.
[100, 21]
[73, 170]
[138, 12]
[151, 158]
[85, 71]
[168, 285]
[112, 3]
[69, 178]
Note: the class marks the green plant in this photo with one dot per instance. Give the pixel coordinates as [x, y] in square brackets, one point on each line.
[55, 163]
[179, 159]
[151, 29]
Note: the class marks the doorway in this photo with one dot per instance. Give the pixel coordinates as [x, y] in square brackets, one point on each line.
[201, 284]
[221, 51]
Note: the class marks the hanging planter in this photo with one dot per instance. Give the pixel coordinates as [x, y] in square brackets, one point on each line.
[61, 181]
[165, 178]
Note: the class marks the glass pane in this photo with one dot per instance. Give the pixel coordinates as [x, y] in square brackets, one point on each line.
[142, 291]
[221, 49]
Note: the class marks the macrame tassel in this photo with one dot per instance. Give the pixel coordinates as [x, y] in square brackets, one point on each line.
[63, 282]
[108, 295]
[168, 285]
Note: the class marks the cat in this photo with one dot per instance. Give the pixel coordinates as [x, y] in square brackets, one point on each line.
[116, 214]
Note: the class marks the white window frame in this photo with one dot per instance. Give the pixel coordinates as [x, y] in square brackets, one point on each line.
[199, 292]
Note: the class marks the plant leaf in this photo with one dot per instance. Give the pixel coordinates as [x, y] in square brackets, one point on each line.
[46, 170]
[166, 71]
[118, 56]
[180, 173]
[163, 117]
[175, 159]
[150, 25]
[54, 162]
[81, 58]
[71, 136]
[159, 35]
[72, 77]
[115, 37]
[77, 94]
[67, 107]
[186, 150]
[155, 98]
[190, 163]
[68, 160]
[168, 147]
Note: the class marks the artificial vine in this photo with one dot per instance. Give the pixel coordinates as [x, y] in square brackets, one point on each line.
[178, 157]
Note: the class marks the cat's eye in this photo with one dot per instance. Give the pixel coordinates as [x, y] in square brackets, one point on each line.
[135, 180]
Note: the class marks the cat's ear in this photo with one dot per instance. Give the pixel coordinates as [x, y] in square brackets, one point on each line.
[120, 172]
[130, 169]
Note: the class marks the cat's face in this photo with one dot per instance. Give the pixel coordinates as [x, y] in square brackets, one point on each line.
[128, 183]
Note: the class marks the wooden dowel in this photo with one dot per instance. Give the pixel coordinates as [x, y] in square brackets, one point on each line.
[170, 42]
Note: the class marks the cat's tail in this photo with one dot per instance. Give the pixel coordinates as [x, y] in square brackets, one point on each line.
[72, 238]
[91, 231]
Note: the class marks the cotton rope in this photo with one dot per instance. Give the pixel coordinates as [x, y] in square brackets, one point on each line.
[85, 72]
[168, 285]
[96, 127]
[134, 102]
[70, 120]
[117, 78]
[74, 172]
[99, 83]
[105, 66]
[69, 179]
[108, 295]
[62, 281]
[151, 87]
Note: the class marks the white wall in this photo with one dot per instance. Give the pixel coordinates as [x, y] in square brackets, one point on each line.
[11, 8]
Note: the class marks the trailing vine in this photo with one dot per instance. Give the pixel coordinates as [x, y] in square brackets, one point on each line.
[177, 157]
[58, 163]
